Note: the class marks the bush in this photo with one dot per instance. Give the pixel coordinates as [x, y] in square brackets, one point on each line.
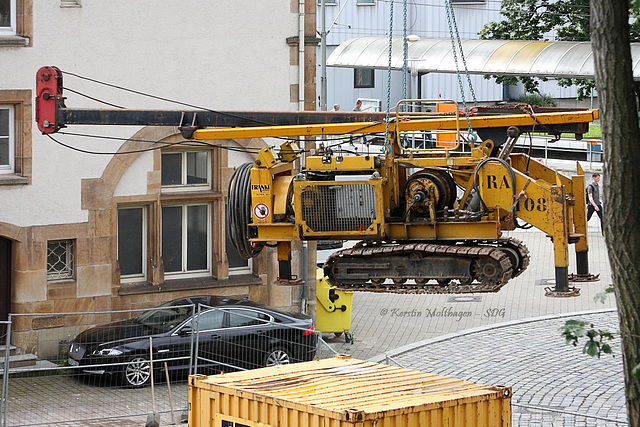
[538, 100]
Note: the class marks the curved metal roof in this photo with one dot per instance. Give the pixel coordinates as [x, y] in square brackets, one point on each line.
[499, 57]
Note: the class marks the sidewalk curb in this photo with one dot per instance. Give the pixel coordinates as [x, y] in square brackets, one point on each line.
[409, 347]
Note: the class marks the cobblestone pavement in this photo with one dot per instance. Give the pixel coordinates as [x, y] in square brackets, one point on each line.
[553, 384]
[479, 337]
[46, 399]
[383, 322]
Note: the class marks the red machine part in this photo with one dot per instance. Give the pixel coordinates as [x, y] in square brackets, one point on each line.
[48, 93]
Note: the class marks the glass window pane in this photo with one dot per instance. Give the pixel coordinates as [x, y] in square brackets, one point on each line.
[197, 237]
[197, 167]
[5, 138]
[171, 168]
[57, 256]
[364, 77]
[5, 13]
[130, 240]
[4, 122]
[4, 151]
[211, 320]
[235, 260]
[172, 238]
[238, 318]
[59, 259]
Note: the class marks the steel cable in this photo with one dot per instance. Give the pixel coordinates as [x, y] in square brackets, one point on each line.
[239, 212]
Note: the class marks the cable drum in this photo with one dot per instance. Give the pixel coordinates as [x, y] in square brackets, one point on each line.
[239, 212]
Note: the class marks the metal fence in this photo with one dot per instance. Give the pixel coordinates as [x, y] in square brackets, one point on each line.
[5, 338]
[66, 369]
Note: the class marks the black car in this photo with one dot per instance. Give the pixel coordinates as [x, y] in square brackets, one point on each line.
[226, 333]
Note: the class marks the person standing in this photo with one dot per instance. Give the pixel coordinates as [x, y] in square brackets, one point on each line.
[593, 202]
[358, 106]
[336, 107]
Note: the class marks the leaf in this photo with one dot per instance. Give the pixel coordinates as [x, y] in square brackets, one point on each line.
[574, 327]
[635, 372]
[605, 334]
[569, 20]
[602, 296]
[591, 348]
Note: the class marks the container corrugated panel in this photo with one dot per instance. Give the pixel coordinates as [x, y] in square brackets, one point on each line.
[344, 392]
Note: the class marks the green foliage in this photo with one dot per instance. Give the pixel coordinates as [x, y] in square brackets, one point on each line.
[602, 296]
[525, 20]
[573, 330]
[535, 19]
[541, 100]
[584, 86]
[635, 372]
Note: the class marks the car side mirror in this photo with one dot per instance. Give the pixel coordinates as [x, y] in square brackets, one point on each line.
[185, 331]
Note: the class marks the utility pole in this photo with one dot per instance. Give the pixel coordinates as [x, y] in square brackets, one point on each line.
[323, 57]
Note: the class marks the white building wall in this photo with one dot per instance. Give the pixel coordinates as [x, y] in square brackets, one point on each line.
[426, 18]
[206, 53]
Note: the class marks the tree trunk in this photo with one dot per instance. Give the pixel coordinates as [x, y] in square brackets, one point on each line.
[621, 142]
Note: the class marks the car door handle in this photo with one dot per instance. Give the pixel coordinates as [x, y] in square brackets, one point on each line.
[213, 336]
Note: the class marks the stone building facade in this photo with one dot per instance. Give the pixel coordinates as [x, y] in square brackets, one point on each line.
[86, 232]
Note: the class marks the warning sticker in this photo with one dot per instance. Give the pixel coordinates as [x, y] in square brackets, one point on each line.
[261, 211]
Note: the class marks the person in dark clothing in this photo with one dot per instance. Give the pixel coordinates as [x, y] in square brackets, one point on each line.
[593, 200]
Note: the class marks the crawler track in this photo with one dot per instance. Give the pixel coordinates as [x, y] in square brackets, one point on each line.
[464, 267]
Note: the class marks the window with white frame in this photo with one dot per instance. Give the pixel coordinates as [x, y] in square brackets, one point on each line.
[186, 170]
[59, 259]
[7, 17]
[328, 2]
[132, 242]
[7, 144]
[365, 2]
[364, 78]
[186, 239]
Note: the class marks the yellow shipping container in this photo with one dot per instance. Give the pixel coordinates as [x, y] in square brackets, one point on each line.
[343, 392]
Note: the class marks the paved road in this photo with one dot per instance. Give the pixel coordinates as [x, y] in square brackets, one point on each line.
[508, 338]
[553, 384]
[384, 322]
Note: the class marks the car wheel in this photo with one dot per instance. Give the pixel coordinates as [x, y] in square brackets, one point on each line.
[137, 372]
[277, 356]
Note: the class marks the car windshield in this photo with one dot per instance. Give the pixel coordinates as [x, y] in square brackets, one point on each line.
[165, 317]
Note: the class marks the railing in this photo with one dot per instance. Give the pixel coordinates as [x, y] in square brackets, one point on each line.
[5, 336]
[81, 372]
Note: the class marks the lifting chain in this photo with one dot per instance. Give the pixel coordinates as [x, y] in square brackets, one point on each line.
[405, 51]
[386, 134]
[455, 35]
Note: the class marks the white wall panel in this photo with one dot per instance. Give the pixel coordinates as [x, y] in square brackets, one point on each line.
[425, 18]
[213, 54]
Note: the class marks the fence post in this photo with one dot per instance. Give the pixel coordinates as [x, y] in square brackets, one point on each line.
[191, 358]
[197, 335]
[5, 377]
